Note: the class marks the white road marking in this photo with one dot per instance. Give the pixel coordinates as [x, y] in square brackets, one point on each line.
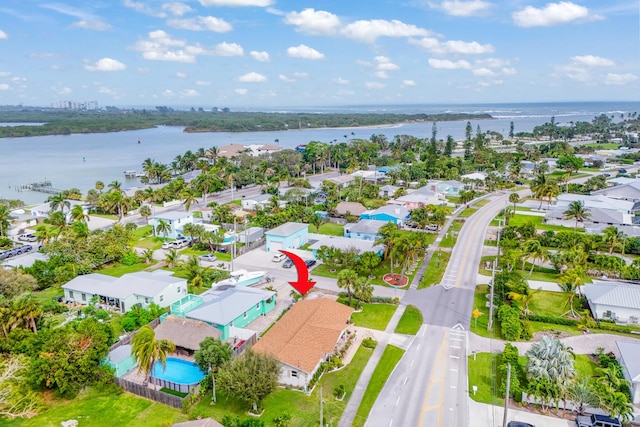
[405, 380]
[412, 363]
[397, 400]
[454, 357]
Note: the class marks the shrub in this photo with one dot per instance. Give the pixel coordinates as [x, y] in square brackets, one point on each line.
[130, 258]
[510, 323]
[369, 343]
[551, 319]
[282, 420]
[339, 391]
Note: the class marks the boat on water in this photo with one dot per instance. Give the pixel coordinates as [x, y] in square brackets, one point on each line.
[243, 278]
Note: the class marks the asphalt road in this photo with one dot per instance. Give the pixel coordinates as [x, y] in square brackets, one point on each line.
[428, 387]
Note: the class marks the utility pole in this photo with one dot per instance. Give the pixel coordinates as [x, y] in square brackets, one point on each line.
[493, 281]
[506, 397]
[321, 420]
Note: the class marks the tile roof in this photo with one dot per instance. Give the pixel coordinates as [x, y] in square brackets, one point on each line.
[306, 333]
[630, 354]
[613, 294]
[287, 229]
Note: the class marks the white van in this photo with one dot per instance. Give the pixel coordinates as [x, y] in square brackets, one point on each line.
[278, 257]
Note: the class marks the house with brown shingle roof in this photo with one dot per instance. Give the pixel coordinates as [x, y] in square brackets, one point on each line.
[304, 337]
[350, 208]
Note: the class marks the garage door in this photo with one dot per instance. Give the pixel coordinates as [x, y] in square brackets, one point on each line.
[296, 242]
[275, 246]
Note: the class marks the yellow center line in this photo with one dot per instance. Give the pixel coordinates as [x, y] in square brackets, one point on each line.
[440, 358]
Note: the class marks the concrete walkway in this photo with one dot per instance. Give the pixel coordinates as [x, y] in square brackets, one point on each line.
[349, 413]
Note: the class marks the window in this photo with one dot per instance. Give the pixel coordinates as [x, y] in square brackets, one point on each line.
[245, 315]
[178, 289]
[84, 297]
[294, 373]
[161, 298]
[258, 306]
[146, 300]
[70, 294]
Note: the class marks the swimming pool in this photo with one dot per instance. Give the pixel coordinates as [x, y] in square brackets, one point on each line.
[178, 371]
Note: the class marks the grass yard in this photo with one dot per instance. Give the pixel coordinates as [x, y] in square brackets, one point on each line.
[552, 328]
[481, 203]
[151, 242]
[604, 146]
[451, 237]
[97, 409]
[374, 316]
[482, 375]
[454, 199]
[388, 362]
[467, 213]
[304, 410]
[188, 251]
[117, 269]
[546, 303]
[410, 321]
[435, 270]
[106, 216]
[329, 228]
[479, 326]
[49, 293]
[382, 269]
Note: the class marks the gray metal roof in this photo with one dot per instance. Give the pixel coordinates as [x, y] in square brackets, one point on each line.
[141, 283]
[628, 191]
[224, 304]
[173, 215]
[365, 226]
[395, 211]
[287, 229]
[344, 243]
[630, 355]
[613, 294]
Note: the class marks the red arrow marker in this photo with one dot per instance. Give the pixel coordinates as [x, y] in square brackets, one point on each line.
[303, 284]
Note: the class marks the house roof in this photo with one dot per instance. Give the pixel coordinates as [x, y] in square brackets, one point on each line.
[626, 191]
[185, 333]
[613, 294]
[231, 150]
[366, 226]
[222, 304]
[630, 355]
[141, 283]
[354, 208]
[342, 179]
[414, 197]
[389, 188]
[306, 333]
[425, 190]
[595, 201]
[481, 176]
[344, 243]
[173, 215]
[395, 211]
[287, 229]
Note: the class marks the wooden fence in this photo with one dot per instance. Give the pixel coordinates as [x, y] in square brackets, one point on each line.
[149, 393]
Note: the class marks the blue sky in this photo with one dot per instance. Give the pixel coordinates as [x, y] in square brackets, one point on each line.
[270, 53]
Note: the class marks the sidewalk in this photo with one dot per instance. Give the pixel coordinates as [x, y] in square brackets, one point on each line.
[349, 413]
[483, 415]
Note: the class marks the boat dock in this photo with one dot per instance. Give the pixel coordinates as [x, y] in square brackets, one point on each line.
[41, 187]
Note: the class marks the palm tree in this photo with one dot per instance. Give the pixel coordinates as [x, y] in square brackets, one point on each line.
[172, 258]
[147, 350]
[388, 236]
[611, 237]
[550, 359]
[189, 196]
[570, 282]
[618, 405]
[59, 202]
[163, 227]
[116, 185]
[346, 280]
[99, 186]
[5, 220]
[577, 211]
[145, 212]
[26, 310]
[533, 249]
[524, 298]
[581, 394]
[77, 214]
[147, 255]
[514, 198]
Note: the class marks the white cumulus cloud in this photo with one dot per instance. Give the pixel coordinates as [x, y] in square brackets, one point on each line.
[3, 35]
[181, 75]
[4, 86]
[592, 61]
[551, 14]
[458, 47]
[385, 64]
[304, 52]
[463, 8]
[311, 21]
[141, 7]
[176, 8]
[483, 72]
[190, 93]
[236, 3]
[252, 77]
[260, 56]
[408, 83]
[227, 49]
[619, 79]
[201, 23]
[374, 85]
[106, 64]
[445, 64]
[241, 91]
[203, 83]
[341, 81]
[368, 31]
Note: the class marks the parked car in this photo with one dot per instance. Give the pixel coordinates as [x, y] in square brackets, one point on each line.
[278, 257]
[622, 170]
[167, 245]
[179, 243]
[28, 237]
[519, 424]
[597, 420]
[208, 257]
[288, 263]
[310, 262]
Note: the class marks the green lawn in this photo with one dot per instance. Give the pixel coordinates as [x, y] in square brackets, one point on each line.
[410, 321]
[329, 228]
[374, 316]
[107, 216]
[467, 213]
[483, 376]
[479, 326]
[117, 269]
[435, 270]
[46, 294]
[388, 362]
[140, 232]
[451, 237]
[382, 269]
[604, 146]
[188, 251]
[453, 199]
[546, 303]
[304, 410]
[552, 328]
[94, 409]
[481, 203]
[151, 242]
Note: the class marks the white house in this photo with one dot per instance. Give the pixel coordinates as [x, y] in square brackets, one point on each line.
[256, 202]
[630, 362]
[613, 301]
[123, 293]
[176, 220]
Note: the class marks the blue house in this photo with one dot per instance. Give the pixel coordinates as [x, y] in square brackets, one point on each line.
[396, 214]
[176, 220]
[365, 229]
[291, 235]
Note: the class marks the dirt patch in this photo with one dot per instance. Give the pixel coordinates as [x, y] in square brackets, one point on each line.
[396, 280]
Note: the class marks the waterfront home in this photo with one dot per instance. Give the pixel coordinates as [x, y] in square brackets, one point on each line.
[365, 229]
[307, 335]
[396, 214]
[611, 300]
[123, 293]
[176, 220]
[227, 307]
[290, 235]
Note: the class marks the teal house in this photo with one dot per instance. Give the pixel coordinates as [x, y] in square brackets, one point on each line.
[290, 235]
[226, 307]
[396, 214]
